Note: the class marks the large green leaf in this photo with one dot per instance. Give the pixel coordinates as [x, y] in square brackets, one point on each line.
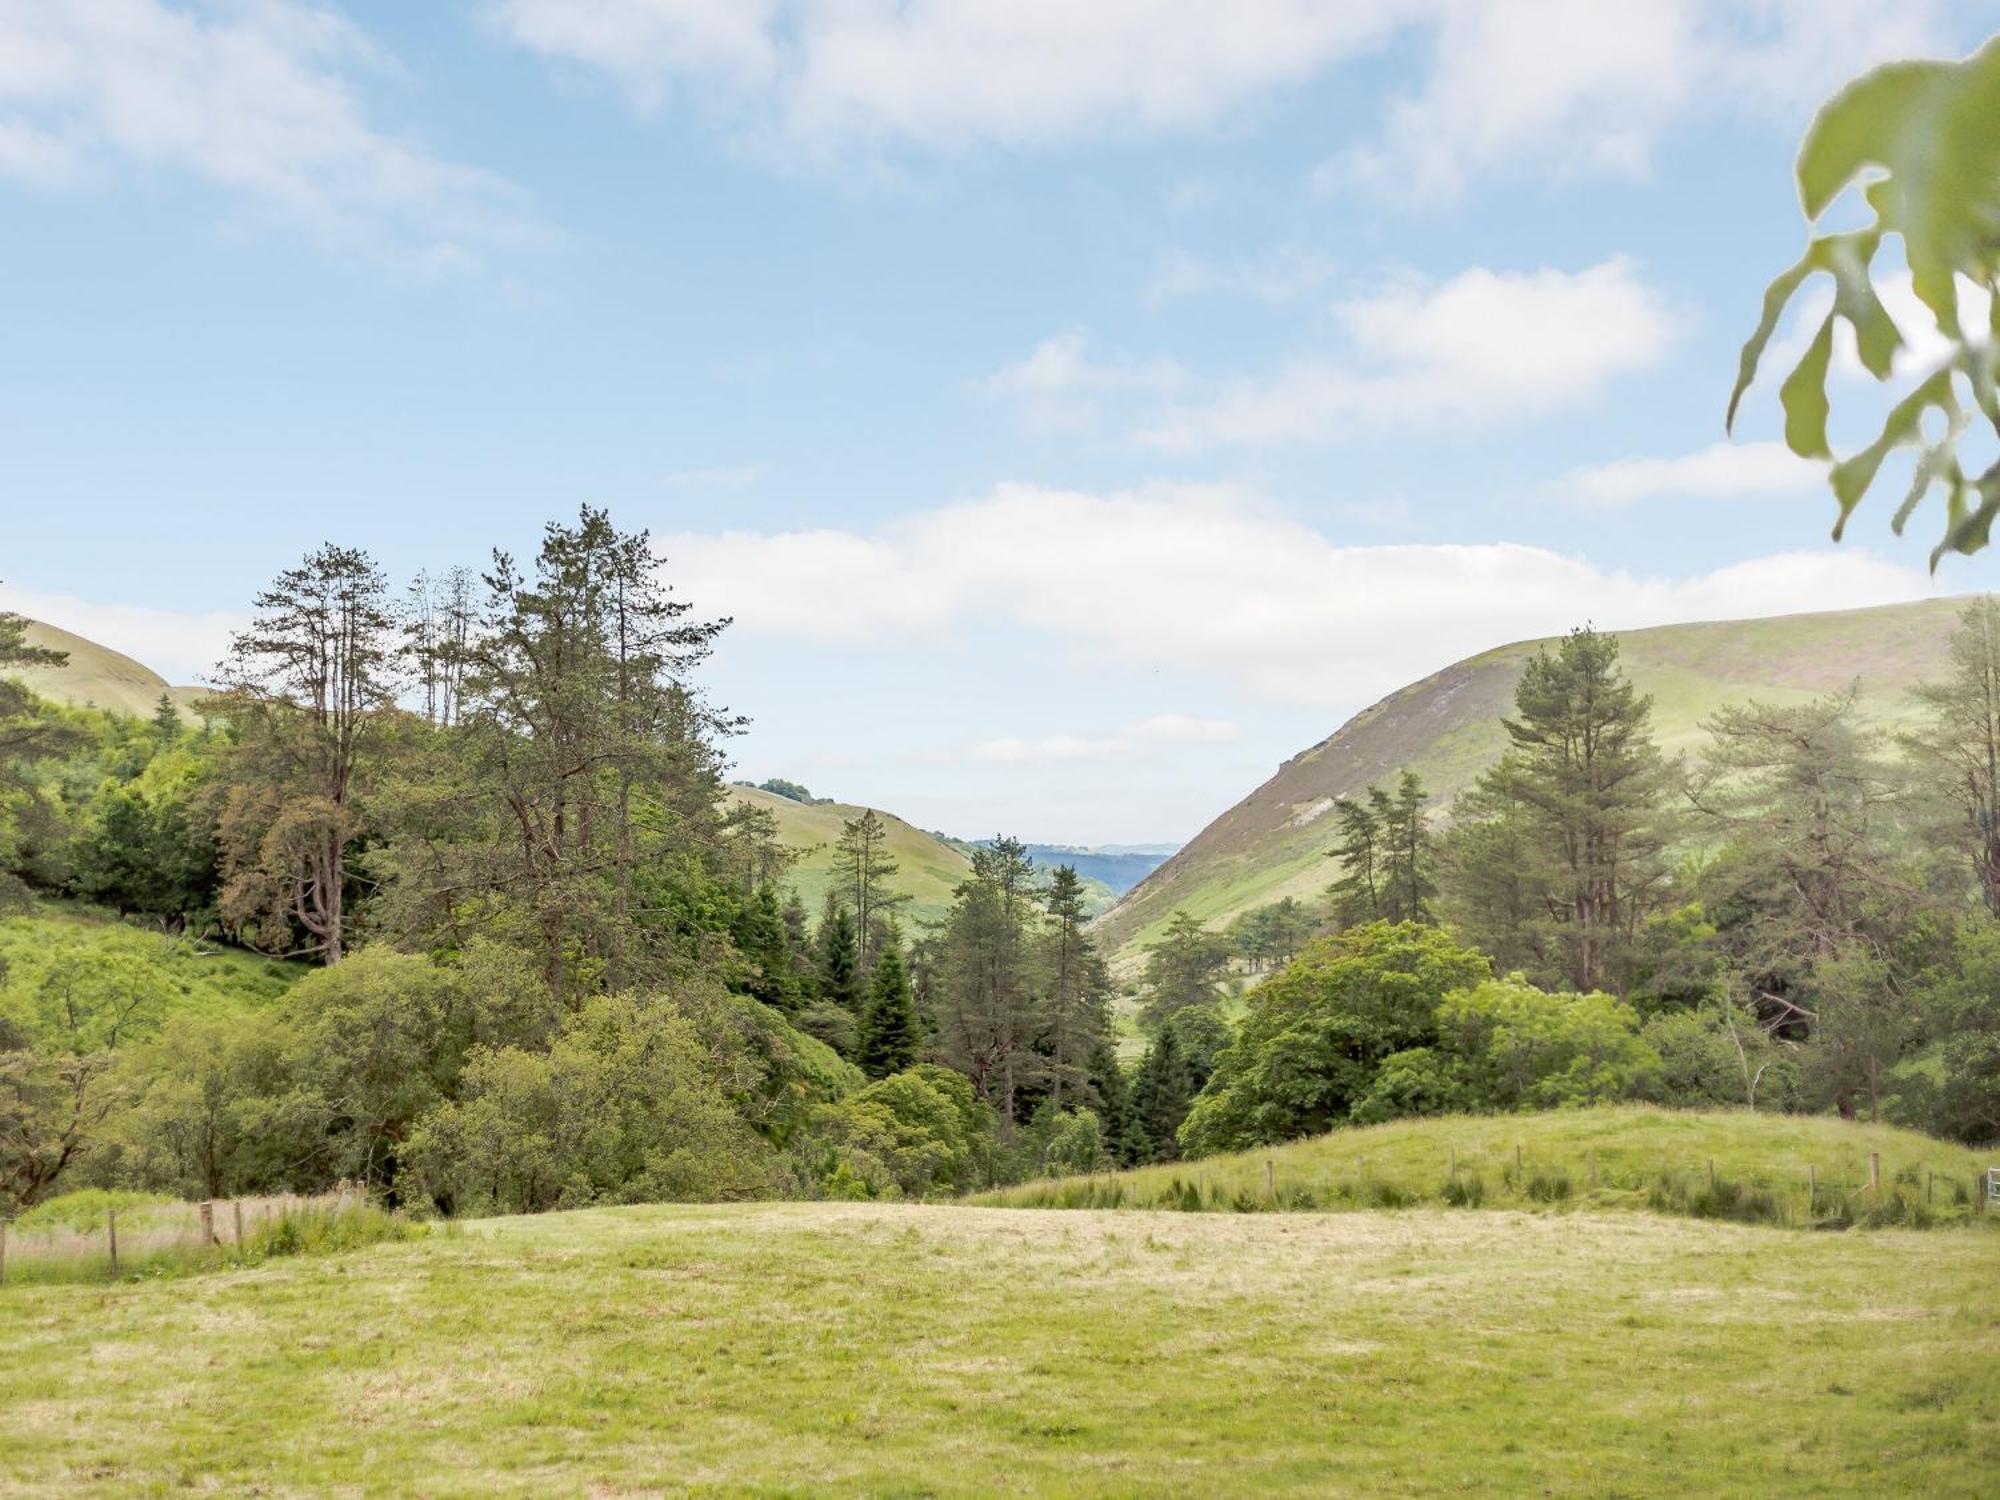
[1923, 140]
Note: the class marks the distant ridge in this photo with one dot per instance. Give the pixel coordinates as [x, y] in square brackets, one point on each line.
[1447, 728]
[97, 677]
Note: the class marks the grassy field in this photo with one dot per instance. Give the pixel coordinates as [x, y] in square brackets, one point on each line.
[809, 1349]
[929, 869]
[1779, 1169]
[1447, 728]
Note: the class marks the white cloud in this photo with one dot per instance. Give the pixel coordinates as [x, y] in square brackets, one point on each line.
[1061, 385]
[1484, 346]
[260, 99]
[1506, 86]
[1584, 87]
[1721, 471]
[1215, 583]
[951, 73]
[182, 646]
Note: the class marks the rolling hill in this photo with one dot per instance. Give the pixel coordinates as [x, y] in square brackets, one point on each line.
[929, 867]
[1447, 728]
[96, 676]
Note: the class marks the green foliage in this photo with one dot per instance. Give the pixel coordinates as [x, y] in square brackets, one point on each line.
[890, 1034]
[622, 1107]
[915, 1133]
[1162, 1092]
[1386, 854]
[1183, 968]
[1523, 1049]
[1919, 137]
[1316, 1032]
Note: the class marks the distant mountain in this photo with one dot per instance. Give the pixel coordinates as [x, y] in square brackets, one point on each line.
[96, 676]
[1118, 867]
[1447, 728]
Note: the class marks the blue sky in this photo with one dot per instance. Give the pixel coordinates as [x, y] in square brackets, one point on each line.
[1078, 407]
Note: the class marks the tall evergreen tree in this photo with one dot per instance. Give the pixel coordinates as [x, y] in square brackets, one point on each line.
[1959, 748]
[1357, 894]
[988, 979]
[759, 934]
[863, 867]
[1161, 1095]
[839, 960]
[1110, 1099]
[1079, 987]
[890, 1038]
[1408, 855]
[1183, 968]
[307, 688]
[1579, 797]
[28, 735]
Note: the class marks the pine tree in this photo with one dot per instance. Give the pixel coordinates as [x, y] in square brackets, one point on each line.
[863, 866]
[1960, 746]
[1161, 1096]
[27, 735]
[798, 934]
[1585, 781]
[1408, 856]
[890, 1037]
[988, 978]
[839, 960]
[1183, 968]
[1357, 895]
[1111, 1100]
[1079, 987]
[759, 934]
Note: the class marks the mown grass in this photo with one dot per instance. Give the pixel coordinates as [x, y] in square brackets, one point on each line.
[863, 1349]
[1756, 1168]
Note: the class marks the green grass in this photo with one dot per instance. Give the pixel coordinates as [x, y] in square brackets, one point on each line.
[205, 976]
[929, 868]
[1757, 1168]
[1446, 727]
[861, 1349]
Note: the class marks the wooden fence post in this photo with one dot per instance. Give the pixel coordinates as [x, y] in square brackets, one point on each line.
[111, 1231]
[1451, 1172]
[1517, 1163]
[1874, 1171]
[1812, 1189]
[1270, 1180]
[207, 1222]
[1593, 1169]
[1930, 1186]
[236, 1208]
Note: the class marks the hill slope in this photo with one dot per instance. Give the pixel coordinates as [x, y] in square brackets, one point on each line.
[1447, 728]
[928, 867]
[96, 676]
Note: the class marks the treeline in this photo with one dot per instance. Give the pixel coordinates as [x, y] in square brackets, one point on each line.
[1804, 917]
[553, 963]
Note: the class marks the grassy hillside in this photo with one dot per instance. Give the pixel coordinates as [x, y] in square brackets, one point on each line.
[96, 676]
[930, 868]
[201, 976]
[880, 1349]
[1634, 1157]
[1446, 728]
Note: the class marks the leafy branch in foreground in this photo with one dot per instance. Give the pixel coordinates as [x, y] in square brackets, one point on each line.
[1921, 139]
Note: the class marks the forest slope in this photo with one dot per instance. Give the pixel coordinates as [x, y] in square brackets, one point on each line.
[1446, 727]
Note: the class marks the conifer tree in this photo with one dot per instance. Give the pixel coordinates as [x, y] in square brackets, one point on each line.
[863, 866]
[1079, 987]
[1959, 748]
[1161, 1095]
[759, 934]
[27, 735]
[1357, 894]
[839, 960]
[1111, 1099]
[1575, 808]
[988, 978]
[1183, 968]
[890, 1037]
